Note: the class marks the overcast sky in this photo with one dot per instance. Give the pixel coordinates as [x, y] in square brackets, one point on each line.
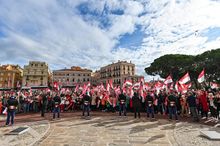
[93, 33]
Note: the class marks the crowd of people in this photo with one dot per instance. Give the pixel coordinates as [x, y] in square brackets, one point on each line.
[197, 104]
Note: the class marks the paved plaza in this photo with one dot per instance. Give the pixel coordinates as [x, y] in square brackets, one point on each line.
[106, 130]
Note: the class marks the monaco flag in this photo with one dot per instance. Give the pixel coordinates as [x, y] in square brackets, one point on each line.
[185, 79]
[201, 77]
[127, 83]
[168, 80]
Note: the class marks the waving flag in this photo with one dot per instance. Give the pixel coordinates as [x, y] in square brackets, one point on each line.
[168, 80]
[178, 87]
[111, 84]
[77, 88]
[127, 83]
[137, 85]
[158, 85]
[146, 86]
[108, 87]
[185, 79]
[201, 77]
[55, 85]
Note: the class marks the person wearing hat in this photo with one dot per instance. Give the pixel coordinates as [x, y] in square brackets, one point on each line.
[12, 104]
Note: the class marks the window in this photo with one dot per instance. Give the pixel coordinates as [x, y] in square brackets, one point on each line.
[67, 74]
[32, 64]
[42, 65]
[73, 74]
[84, 75]
[88, 79]
[73, 80]
[42, 72]
[84, 79]
[41, 78]
[88, 75]
[79, 75]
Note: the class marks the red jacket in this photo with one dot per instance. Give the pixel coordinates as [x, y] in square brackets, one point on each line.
[203, 101]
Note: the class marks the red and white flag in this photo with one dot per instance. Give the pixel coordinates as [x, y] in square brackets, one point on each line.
[168, 80]
[178, 87]
[185, 87]
[77, 88]
[158, 85]
[18, 84]
[127, 83]
[201, 77]
[55, 85]
[108, 87]
[137, 85]
[111, 84]
[185, 79]
[146, 86]
[171, 86]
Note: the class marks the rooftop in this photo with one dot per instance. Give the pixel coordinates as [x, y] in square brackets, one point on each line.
[75, 68]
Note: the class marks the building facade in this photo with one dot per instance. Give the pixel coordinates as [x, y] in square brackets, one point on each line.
[95, 78]
[36, 73]
[10, 76]
[117, 72]
[74, 75]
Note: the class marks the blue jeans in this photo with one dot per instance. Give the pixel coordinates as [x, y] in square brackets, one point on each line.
[56, 110]
[122, 108]
[86, 108]
[172, 111]
[26, 107]
[10, 115]
[150, 110]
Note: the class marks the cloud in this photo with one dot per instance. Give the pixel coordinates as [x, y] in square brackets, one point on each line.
[88, 32]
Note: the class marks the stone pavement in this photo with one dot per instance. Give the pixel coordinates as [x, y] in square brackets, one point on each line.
[123, 131]
[105, 129]
[35, 132]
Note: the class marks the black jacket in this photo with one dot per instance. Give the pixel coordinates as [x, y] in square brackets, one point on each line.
[56, 101]
[136, 101]
[12, 103]
[122, 97]
[191, 101]
[86, 98]
[149, 100]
